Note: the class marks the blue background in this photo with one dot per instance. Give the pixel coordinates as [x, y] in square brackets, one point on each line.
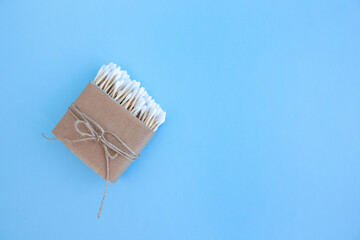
[263, 121]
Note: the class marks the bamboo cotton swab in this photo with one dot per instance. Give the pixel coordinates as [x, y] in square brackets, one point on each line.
[128, 93]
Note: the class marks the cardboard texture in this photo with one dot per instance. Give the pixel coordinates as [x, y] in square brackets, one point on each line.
[112, 117]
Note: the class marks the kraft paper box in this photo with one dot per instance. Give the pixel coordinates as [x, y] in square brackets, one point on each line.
[111, 116]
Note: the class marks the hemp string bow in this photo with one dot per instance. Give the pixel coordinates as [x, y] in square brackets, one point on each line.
[94, 132]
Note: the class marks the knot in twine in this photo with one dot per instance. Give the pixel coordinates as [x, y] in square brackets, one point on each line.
[94, 131]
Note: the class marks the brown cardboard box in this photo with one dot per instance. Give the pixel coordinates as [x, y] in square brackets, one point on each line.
[112, 117]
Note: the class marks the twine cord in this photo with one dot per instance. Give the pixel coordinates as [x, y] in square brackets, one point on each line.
[94, 131]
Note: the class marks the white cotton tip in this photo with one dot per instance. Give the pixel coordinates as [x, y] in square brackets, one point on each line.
[124, 75]
[100, 71]
[126, 87]
[135, 87]
[127, 100]
[129, 93]
[150, 104]
[106, 71]
[109, 75]
[161, 118]
[140, 92]
[125, 82]
[115, 72]
[152, 111]
[136, 93]
[142, 111]
[111, 78]
[137, 107]
[157, 111]
[112, 66]
[136, 110]
[103, 75]
[148, 98]
[154, 117]
[127, 97]
[118, 84]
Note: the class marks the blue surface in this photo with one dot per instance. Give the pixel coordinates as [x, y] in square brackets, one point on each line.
[263, 122]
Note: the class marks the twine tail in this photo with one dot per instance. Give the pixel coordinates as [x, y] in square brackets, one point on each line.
[55, 138]
[102, 202]
[107, 178]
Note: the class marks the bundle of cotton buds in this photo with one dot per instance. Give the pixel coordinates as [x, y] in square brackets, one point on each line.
[118, 85]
